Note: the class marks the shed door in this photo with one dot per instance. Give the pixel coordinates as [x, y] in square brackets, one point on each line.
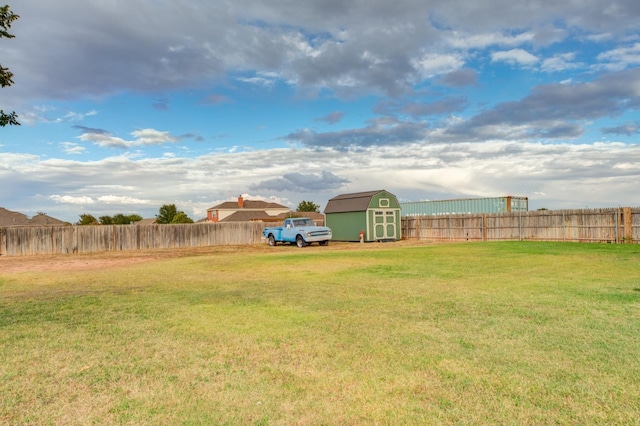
[384, 224]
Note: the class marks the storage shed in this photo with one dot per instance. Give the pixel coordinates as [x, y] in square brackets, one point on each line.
[376, 213]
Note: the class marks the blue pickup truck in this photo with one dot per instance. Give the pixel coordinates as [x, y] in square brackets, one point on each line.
[298, 230]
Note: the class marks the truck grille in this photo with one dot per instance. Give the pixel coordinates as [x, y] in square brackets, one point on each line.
[319, 233]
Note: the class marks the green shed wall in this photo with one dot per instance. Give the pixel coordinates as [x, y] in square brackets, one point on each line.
[346, 226]
[391, 201]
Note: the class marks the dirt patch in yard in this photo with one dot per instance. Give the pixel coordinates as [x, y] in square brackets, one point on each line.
[76, 262]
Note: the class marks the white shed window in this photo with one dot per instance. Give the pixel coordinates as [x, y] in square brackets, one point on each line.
[384, 202]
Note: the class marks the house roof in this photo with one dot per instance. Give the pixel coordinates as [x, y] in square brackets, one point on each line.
[42, 219]
[247, 205]
[311, 215]
[246, 216]
[151, 221]
[318, 218]
[11, 218]
[355, 202]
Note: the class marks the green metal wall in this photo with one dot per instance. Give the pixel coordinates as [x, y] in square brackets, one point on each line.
[465, 206]
[346, 226]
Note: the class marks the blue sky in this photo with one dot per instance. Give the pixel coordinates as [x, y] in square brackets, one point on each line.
[126, 106]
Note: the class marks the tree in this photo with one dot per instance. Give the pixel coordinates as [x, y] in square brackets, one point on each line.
[166, 213]
[120, 219]
[308, 206]
[125, 219]
[134, 218]
[87, 219]
[6, 19]
[106, 220]
[169, 213]
[181, 217]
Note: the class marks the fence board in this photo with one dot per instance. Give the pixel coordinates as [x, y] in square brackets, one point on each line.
[23, 241]
[611, 225]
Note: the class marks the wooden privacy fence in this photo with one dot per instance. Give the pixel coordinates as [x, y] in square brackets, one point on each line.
[20, 241]
[613, 225]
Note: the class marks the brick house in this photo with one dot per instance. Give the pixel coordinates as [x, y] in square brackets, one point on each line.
[245, 211]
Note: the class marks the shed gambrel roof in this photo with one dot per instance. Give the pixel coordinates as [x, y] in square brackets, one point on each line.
[355, 202]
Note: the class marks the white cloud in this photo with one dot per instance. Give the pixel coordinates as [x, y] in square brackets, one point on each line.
[515, 57]
[263, 81]
[67, 199]
[600, 37]
[430, 65]
[152, 137]
[483, 40]
[621, 57]
[561, 62]
[106, 140]
[120, 199]
[51, 114]
[72, 148]
[143, 137]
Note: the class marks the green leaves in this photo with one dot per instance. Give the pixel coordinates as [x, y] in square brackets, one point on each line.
[169, 213]
[6, 19]
[308, 206]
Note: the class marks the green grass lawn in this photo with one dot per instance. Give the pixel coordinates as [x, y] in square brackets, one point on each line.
[491, 333]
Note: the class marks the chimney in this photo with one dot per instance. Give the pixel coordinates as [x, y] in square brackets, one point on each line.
[240, 202]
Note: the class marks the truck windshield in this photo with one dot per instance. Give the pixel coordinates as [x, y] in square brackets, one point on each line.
[303, 222]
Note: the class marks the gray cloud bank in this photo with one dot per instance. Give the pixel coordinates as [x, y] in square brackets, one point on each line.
[99, 48]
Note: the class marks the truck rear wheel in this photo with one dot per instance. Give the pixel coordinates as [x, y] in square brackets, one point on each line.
[300, 241]
[272, 241]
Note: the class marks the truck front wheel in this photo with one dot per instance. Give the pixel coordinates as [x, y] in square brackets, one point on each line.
[272, 241]
[324, 243]
[300, 241]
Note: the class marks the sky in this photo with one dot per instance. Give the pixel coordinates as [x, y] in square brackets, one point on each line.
[126, 106]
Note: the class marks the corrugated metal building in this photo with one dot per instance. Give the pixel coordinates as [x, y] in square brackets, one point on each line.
[376, 213]
[506, 204]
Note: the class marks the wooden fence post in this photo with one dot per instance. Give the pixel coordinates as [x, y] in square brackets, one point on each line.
[617, 223]
[484, 227]
[628, 225]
